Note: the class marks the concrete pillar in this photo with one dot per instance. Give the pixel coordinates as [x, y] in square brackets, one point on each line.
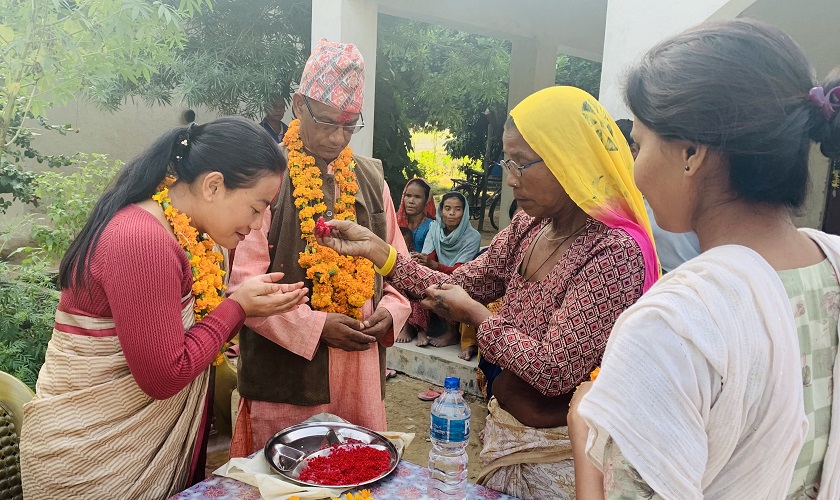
[533, 66]
[634, 27]
[352, 21]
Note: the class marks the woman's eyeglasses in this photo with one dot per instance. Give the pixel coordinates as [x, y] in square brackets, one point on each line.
[512, 166]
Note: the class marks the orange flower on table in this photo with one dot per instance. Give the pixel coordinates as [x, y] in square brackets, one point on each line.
[208, 287]
[362, 495]
[339, 284]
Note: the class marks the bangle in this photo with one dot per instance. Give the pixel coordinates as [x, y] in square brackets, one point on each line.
[386, 269]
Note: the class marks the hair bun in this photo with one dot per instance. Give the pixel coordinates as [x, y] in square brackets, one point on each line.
[830, 139]
[828, 133]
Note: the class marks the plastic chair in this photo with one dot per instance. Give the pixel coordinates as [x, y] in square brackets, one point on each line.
[13, 395]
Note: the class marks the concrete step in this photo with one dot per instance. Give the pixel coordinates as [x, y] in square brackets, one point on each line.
[433, 364]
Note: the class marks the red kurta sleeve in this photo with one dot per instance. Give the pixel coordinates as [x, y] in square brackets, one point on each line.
[142, 269]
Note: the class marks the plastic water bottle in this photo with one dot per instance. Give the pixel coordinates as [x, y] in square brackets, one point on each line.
[450, 433]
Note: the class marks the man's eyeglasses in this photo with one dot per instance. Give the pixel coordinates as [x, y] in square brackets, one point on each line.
[348, 129]
[512, 166]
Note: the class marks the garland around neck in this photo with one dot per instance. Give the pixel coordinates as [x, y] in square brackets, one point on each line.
[340, 284]
[208, 287]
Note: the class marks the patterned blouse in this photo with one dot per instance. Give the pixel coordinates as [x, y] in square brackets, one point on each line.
[814, 295]
[552, 332]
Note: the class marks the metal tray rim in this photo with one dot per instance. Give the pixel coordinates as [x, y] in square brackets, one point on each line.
[388, 444]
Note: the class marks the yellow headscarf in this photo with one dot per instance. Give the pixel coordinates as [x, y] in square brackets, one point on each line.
[584, 149]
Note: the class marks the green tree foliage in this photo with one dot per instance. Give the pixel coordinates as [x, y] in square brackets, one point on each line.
[391, 132]
[237, 58]
[68, 198]
[52, 50]
[577, 72]
[27, 313]
[450, 80]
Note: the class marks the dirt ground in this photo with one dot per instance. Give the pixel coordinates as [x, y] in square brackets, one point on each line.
[406, 413]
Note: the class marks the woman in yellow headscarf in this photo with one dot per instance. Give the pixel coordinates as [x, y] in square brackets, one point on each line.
[578, 256]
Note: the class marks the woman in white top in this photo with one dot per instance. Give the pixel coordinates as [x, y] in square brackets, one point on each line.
[719, 382]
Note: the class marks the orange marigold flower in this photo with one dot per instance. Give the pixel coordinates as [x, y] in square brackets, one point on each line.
[207, 287]
[340, 284]
[307, 226]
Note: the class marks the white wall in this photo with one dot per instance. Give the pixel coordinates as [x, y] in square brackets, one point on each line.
[533, 67]
[634, 27]
[577, 25]
[352, 21]
[120, 135]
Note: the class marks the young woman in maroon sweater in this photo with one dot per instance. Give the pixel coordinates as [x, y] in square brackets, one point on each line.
[122, 396]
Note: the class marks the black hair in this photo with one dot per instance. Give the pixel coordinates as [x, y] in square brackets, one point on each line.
[239, 149]
[454, 194]
[740, 87]
[626, 127]
[425, 185]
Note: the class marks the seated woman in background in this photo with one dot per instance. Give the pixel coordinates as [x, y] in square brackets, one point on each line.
[451, 242]
[416, 214]
[566, 268]
[121, 403]
[721, 382]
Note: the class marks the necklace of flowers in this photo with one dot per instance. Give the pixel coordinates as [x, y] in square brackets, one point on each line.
[207, 288]
[340, 284]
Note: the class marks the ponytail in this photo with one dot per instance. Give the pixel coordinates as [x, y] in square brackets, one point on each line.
[238, 148]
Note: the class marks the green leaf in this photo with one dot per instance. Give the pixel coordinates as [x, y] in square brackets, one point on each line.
[7, 34]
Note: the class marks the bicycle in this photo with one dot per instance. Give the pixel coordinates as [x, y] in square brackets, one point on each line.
[471, 189]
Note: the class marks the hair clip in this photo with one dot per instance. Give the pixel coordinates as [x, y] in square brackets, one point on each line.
[823, 100]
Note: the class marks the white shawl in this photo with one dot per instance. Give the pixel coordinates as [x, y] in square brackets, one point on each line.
[701, 382]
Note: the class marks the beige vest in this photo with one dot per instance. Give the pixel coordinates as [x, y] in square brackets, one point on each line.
[268, 372]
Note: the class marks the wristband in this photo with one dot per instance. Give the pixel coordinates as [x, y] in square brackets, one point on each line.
[389, 264]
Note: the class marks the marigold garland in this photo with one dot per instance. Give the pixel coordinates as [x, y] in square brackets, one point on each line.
[340, 284]
[362, 495]
[208, 286]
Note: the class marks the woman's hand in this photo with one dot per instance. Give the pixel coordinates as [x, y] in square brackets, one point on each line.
[261, 296]
[425, 260]
[453, 303]
[349, 238]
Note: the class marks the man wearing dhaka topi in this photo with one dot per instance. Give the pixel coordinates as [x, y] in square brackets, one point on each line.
[327, 355]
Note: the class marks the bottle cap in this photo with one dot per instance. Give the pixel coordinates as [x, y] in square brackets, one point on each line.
[452, 383]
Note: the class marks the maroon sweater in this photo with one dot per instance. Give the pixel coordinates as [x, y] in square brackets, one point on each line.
[140, 275]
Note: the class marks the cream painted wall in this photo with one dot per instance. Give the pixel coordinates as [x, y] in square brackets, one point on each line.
[577, 25]
[352, 22]
[634, 27]
[532, 67]
[120, 135]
